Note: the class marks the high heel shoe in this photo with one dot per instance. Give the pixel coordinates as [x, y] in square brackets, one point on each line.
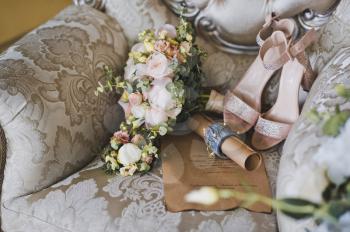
[273, 126]
[243, 103]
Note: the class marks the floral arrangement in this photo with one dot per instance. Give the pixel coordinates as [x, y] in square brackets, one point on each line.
[325, 194]
[161, 86]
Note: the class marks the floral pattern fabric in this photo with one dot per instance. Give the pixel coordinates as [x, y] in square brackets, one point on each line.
[53, 123]
[92, 201]
[47, 81]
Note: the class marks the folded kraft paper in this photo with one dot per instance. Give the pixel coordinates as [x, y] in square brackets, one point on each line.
[187, 166]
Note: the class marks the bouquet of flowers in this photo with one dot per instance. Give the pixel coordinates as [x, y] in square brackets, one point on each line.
[161, 86]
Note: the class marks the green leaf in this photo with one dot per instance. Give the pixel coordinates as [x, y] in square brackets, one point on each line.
[298, 202]
[335, 122]
[343, 91]
[313, 115]
[338, 208]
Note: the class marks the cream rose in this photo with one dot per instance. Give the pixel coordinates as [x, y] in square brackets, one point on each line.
[158, 66]
[129, 154]
[159, 97]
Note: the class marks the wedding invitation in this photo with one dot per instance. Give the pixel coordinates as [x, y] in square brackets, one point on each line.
[187, 166]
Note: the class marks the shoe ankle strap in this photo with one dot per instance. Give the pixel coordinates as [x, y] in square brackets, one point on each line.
[274, 23]
[289, 49]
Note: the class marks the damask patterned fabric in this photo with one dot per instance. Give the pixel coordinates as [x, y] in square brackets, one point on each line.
[333, 36]
[306, 137]
[55, 125]
[53, 122]
[91, 201]
[63, 126]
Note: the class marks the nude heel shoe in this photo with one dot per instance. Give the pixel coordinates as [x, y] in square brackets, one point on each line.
[242, 105]
[273, 126]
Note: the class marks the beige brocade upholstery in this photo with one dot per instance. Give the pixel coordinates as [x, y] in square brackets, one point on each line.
[331, 58]
[55, 126]
[89, 200]
[53, 122]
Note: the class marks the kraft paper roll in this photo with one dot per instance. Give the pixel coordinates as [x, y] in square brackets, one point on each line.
[215, 102]
[232, 147]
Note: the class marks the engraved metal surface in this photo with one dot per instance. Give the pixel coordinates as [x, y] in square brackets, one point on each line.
[310, 19]
[205, 26]
[208, 28]
[97, 4]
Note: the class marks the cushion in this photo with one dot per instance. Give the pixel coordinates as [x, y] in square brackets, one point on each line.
[53, 122]
[90, 200]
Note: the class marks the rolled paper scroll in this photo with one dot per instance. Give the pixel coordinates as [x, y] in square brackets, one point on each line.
[224, 143]
[215, 102]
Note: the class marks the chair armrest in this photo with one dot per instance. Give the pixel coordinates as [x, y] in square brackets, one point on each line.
[306, 137]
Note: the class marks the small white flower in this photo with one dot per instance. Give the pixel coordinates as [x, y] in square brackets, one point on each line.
[205, 196]
[128, 170]
[162, 130]
[114, 164]
[129, 154]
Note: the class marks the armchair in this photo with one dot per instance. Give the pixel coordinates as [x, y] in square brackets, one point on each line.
[53, 126]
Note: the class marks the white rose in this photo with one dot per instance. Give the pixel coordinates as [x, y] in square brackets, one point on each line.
[205, 196]
[309, 181]
[158, 66]
[133, 72]
[160, 97]
[155, 117]
[129, 154]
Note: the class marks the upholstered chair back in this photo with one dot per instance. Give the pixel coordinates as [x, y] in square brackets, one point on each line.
[53, 123]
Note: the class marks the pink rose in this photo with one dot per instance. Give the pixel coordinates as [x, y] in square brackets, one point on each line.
[161, 45]
[155, 117]
[166, 30]
[135, 99]
[121, 136]
[158, 66]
